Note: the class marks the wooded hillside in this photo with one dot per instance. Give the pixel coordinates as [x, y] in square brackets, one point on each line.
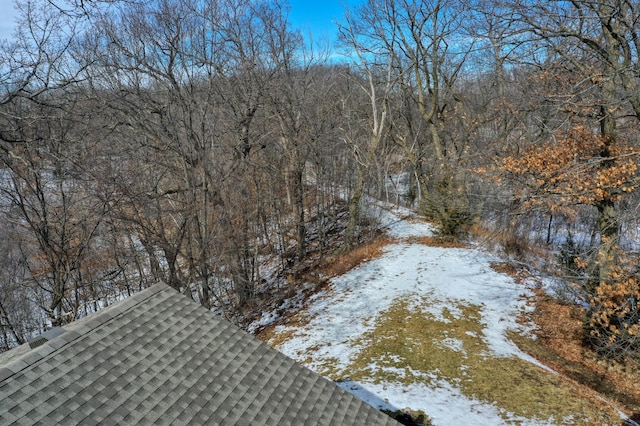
[212, 146]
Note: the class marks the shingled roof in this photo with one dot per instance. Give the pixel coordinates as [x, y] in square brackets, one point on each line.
[159, 358]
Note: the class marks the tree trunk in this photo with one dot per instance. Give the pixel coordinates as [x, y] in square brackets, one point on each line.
[607, 219]
[607, 257]
[301, 229]
[354, 210]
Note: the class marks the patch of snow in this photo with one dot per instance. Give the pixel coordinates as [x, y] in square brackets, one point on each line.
[291, 304]
[441, 275]
[452, 343]
[443, 403]
[267, 318]
[395, 221]
[347, 309]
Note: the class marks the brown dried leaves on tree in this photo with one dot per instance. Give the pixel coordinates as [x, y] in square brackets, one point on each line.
[581, 167]
[586, 168]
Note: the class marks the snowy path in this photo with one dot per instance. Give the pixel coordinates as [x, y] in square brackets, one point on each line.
[343, 313]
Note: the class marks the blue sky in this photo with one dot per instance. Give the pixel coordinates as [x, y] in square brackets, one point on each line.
[318, 16]
[7, 15]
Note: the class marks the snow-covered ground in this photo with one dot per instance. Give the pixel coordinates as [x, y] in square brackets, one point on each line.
[341, 314]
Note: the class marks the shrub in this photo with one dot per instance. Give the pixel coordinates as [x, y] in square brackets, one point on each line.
[612, 325]
[448, 206]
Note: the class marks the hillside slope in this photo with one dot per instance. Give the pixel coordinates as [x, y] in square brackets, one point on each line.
[426, 329]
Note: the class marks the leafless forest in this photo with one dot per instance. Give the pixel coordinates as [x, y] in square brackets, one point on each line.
[211, 145]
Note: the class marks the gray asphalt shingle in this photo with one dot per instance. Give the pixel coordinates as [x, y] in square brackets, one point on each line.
[159, 358]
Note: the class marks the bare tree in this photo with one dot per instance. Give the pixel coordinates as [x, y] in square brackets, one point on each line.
[423, 42]
[43, 155]
[375, 63]
[17, 320]
[187, 81]
[295, 98]
[589, 51]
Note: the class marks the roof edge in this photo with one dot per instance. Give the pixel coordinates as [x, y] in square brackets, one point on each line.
[21, 357]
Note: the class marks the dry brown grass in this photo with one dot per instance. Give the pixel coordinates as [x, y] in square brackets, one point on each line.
[518, 386]
[559, 344]
[409, 345]
[329, 267]
[489, 238]
[275, 339]
[506, 242]
[342, 263]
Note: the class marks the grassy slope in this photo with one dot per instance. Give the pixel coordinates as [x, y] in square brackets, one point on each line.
[454, 350]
